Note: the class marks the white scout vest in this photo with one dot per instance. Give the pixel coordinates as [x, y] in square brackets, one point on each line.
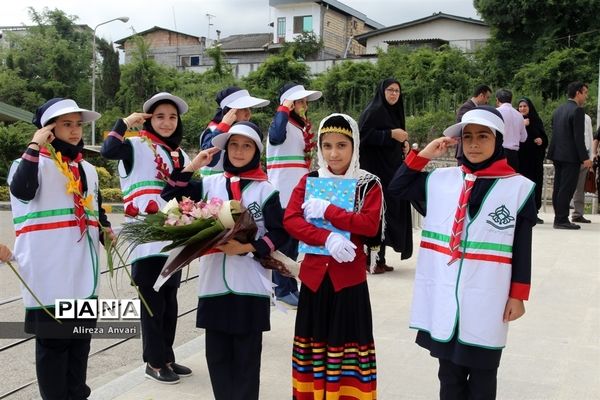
[218, 167]
[220, 274]
[141, 186]
[286, 164]
[469, 295]
[54, 259]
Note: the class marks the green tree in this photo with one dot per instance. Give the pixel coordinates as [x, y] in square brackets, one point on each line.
[550, 76]
[347, 87]
[53, 58]
[306, 46]
[272, 74]
[141, 78]
[526, 31]
[110, 75]
[14, 140]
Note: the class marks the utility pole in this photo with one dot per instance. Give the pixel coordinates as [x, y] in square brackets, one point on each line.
[209, 16]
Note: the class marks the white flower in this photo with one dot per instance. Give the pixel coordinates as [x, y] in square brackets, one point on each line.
[172, 204]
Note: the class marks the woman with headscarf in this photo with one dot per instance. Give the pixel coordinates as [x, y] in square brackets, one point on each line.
[474, 264]
[234, 105]
[533, 150]
[57, 242]
[289, 152]
[145, 165]
[234, 289]
[382, 143]
[333, 323]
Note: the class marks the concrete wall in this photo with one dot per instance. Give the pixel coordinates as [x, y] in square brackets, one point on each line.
[316, 67]
[167, 47]
[462, 35]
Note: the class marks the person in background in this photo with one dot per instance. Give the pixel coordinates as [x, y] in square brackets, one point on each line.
[567, 151]
[515, 132]
[481, 96]
[533, 150]
[383, 140]
[596, 159]
[58, 215]
[289, 153]
[464, 294]
[234, 290]
[579, 195]
[234, 105]
[334, 350]
[145, 165]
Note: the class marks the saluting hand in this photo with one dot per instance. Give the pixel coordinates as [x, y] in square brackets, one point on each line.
[202, 159]
[437, 147]
[136, 119]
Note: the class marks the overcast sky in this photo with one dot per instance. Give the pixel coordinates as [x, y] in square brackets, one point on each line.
[230, 16]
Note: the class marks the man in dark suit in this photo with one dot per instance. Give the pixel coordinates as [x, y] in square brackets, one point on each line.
[567, 151]
[481, 96]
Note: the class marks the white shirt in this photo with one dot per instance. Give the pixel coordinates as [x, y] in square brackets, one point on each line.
[514, 127]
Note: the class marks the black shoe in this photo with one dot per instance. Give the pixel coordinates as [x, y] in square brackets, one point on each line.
[566, 225]
[539, 221]
[581, 220]
[180, 370]
[163, 375]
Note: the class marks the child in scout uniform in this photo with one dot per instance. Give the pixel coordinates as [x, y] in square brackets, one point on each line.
[474, 266]
[288, 159]
[234, 106]
[334, 351]
[146, 162]
[57, 210]
[234, 289]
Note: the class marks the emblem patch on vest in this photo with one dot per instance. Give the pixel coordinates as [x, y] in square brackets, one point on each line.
[501, 218]
[255, 210]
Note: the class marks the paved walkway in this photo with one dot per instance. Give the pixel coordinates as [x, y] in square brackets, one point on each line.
[553, 352]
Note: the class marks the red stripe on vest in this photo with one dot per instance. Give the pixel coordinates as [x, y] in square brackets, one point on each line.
[288, 165]
[52, 225]
[140, 193]
[468, 256]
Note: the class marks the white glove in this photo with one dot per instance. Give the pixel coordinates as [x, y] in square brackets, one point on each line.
[314, 208]
[340, 248]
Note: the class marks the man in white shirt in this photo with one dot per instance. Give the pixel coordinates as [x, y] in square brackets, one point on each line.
[515, 131]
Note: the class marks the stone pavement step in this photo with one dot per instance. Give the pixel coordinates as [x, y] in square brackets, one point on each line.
[553, 352]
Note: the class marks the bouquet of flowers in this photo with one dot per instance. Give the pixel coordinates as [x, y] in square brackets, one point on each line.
[193, 228]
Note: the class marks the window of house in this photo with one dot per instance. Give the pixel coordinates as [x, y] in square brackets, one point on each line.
[281, 27]
[189, 61]
[303, 24]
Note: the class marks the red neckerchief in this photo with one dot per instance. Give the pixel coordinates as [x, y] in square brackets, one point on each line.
[498, 169]
[77, 199]
[163, 171]
[309, 143]
[256, 174]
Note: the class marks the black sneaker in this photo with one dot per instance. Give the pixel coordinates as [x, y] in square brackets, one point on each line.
[180, 370]
[163, 375]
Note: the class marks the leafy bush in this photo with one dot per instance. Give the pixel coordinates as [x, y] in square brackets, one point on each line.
[14, 139]
[111, 195]
[4, 193]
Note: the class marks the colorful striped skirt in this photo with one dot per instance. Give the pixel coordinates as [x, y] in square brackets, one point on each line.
[334, 353]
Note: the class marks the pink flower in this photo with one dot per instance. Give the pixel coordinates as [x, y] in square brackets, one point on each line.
[172, 220]
[186, 204]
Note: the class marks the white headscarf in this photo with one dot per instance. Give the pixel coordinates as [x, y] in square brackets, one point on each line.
[353, 172]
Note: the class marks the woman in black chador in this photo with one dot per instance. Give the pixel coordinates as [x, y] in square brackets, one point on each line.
[382, 142]
[533, 150]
